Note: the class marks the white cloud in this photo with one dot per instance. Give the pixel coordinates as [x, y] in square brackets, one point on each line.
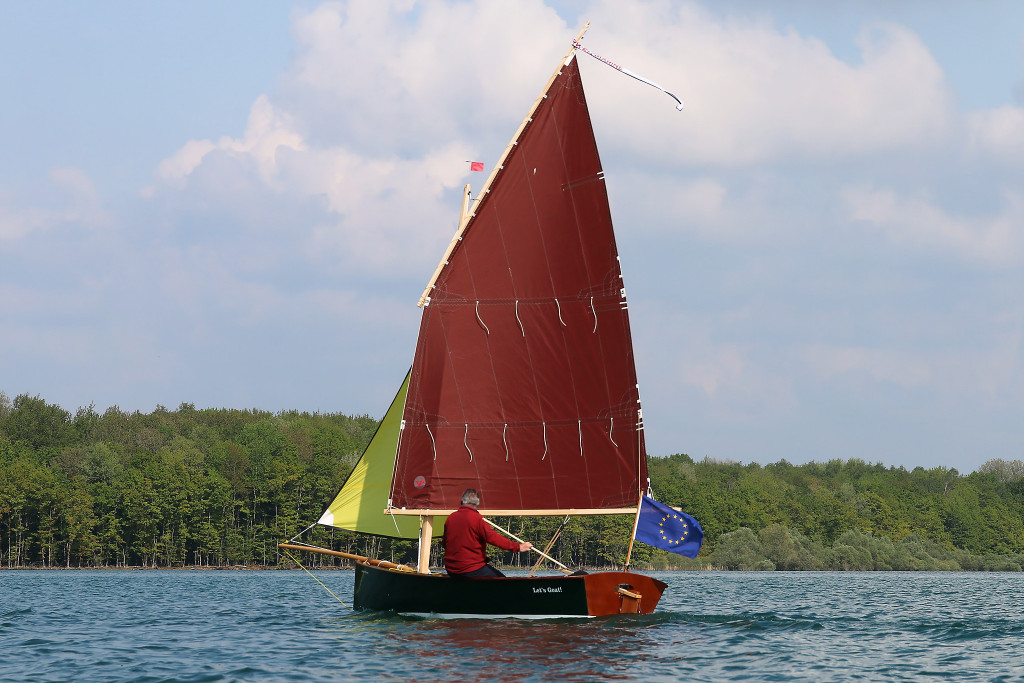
[16, 222]
[881, 365]
[918, 224]
[781, 231]
[394, 76]
[695, 364]
[386, 101]
[268, 131]
[704, 203]
[367, 132]
[756, 94]
[72, 200]
[998, 133]
[984, 369]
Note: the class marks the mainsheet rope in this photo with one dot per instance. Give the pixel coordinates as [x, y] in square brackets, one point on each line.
[296, 561]
[302, 532]
[562, 567]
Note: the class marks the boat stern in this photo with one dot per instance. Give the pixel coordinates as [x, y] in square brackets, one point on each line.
[622, 593]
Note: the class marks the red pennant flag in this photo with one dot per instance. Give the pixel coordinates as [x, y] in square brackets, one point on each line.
[476, 166]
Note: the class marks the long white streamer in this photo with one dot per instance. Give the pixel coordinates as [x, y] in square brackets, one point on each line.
[579, 46]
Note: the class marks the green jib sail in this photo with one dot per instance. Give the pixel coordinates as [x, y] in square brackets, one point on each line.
[360, 504]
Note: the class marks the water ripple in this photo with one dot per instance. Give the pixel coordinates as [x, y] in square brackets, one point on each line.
[280, 626]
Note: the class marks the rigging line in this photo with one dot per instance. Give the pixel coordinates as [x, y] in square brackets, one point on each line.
[433, 444]
[480, 320]
[545, 425]
[611, 428]
[583, 181]
[560, 313]
[292, 539]
[594, 311]
[465, 440]
[295, 560]
[550, 545]
[562, 567]
[521, 328]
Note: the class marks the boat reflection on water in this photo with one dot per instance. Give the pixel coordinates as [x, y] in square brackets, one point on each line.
[513, 649]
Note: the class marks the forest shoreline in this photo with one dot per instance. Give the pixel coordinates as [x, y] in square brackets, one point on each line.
[220, 488]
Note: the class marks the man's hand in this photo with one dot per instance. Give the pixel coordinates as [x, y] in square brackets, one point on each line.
[523, 547]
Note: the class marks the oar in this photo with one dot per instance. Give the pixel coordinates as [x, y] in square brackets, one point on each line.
[563, 568]
[550, 544]
[337, 553]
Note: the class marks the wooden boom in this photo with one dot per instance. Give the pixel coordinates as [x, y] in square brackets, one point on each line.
[384, 564]
[421, 512]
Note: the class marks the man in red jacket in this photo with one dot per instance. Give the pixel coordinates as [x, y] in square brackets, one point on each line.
[465, 540]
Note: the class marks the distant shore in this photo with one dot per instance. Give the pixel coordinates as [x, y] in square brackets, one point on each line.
[589, 569]
[164, 569]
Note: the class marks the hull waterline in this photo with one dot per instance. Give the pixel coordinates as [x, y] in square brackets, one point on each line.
[589, 595]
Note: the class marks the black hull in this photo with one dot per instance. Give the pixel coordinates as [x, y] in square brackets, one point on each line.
[589, 595]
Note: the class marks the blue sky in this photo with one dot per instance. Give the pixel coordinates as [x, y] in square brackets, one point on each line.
[238, 204]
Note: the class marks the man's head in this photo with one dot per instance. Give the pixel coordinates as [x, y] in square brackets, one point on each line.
[470, 497]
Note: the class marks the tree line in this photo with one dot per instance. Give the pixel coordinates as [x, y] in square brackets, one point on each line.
[222, 487]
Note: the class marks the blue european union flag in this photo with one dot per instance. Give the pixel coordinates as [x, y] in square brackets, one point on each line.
[668, 529]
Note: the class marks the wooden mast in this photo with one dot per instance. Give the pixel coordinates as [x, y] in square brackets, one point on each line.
[427, 520]
[632, 538]
[466, 217]
[426, 532]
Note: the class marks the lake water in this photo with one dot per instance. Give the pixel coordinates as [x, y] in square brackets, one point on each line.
[719, 626]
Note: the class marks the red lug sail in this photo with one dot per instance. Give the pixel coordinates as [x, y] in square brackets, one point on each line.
[523, 384]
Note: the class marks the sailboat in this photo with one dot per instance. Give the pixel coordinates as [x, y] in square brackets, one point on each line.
[522, 386]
